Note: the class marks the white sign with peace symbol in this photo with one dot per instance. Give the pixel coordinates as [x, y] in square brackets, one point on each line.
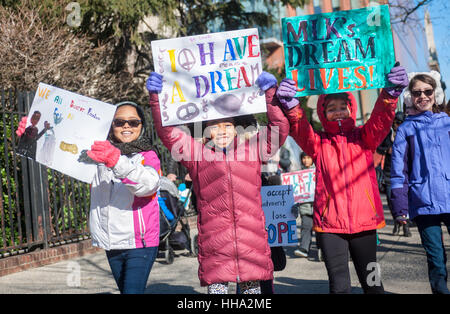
[210, 76]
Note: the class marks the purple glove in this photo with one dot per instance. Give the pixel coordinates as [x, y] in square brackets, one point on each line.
[399, 78]
[265, 81]
[286, 93]
[154, 83]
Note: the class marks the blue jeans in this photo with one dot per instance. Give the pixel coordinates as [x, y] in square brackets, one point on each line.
[429, 227]
[131, 268]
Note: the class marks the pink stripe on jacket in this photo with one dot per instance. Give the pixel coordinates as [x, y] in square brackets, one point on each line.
[124, 206]
[146, 210]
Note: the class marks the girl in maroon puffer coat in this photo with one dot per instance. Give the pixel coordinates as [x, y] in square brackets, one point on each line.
[226, 174]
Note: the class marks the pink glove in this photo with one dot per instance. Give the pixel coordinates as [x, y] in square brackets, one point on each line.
[104, 152]
[22, 125]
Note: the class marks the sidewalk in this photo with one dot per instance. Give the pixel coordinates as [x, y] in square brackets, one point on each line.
[402, 262]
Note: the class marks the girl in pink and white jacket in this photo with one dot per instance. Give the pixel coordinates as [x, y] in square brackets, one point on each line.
[124, 216]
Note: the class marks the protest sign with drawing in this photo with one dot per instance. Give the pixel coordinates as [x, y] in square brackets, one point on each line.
[60, 125]
[339, 51]
[209, 76]
[281, 225]
[303, 183]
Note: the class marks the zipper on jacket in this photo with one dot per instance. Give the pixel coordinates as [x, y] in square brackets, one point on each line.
[371, 203]
[234, 219]
[141, 226]
[344, 156]
[326, 208]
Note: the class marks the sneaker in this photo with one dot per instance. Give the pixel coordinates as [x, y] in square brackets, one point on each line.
[301, 253]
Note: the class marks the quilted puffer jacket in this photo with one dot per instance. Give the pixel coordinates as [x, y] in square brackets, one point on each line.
[347, 199]
[232, 240]
[124, 204]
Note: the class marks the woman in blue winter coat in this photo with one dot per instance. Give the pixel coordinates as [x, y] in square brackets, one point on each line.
[420, 174]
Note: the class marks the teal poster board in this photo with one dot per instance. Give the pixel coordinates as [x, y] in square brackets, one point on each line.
[339, 51]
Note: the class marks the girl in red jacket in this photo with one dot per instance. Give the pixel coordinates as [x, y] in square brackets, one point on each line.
[226, 175]
[347, 205]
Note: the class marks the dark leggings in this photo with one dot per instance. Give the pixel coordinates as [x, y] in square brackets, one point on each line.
[363, 250]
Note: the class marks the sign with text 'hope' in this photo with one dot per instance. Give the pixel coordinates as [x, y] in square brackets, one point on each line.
[339, 51]
[209, 76]
[281, 225]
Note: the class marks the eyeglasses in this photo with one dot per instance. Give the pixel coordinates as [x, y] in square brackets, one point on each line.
[427, 92]
[132, 123]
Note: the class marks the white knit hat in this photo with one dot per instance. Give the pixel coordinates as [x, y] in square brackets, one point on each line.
[438, 92]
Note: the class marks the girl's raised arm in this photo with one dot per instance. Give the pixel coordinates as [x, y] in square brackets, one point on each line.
[181, 145]
[380, 121]
[273, 136]
[300, 128]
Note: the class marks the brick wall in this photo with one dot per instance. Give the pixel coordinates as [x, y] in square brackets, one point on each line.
[13, 264]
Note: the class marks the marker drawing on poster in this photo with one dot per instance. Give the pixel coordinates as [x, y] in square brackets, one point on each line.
[60, 125]
[303, 183]
[281, 225]
[209, 76]
[339, 51]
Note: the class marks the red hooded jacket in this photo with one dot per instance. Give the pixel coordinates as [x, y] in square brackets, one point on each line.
[232, 239]
[347, 199]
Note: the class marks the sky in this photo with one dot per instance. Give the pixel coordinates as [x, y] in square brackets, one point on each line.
[439, 10]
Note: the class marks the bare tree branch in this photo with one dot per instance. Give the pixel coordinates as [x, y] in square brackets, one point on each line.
[405, 11]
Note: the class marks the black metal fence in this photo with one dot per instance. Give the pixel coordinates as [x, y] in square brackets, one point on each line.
[39, 207]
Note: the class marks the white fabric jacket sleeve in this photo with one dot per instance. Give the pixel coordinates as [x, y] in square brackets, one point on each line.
[141, 180]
